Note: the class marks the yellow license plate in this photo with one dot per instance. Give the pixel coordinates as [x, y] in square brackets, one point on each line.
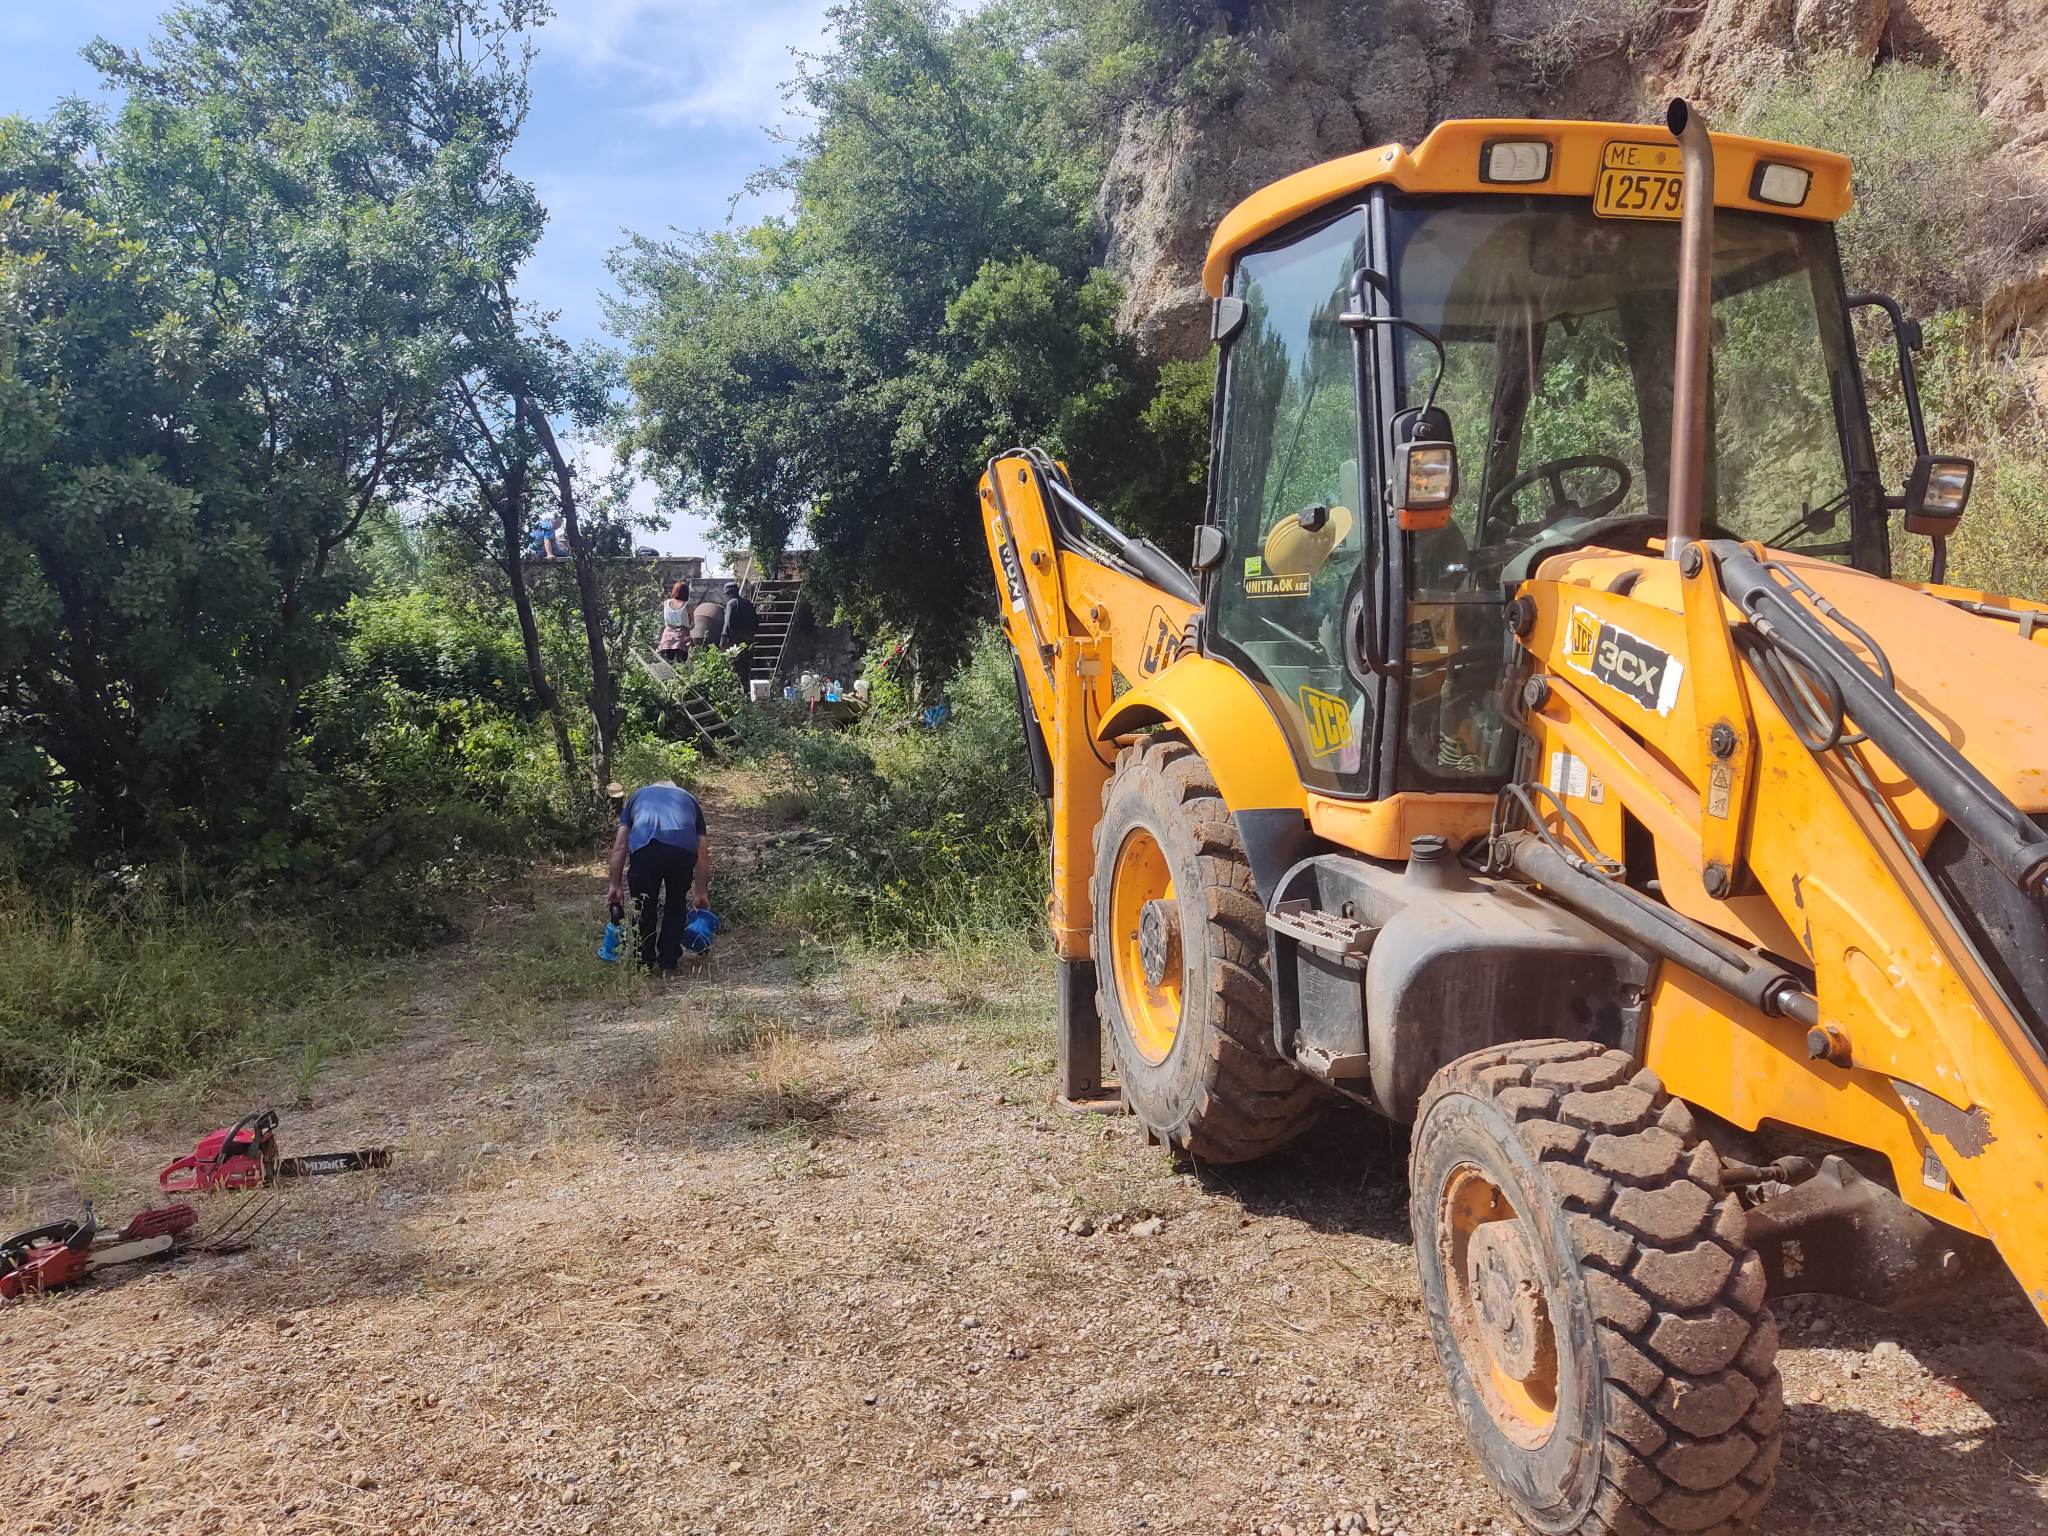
[1639, 181]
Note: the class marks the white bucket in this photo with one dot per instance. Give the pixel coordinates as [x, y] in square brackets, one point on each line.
[759, 688]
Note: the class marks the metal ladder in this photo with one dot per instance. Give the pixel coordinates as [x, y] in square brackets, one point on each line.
[777, 603]
[711, 728]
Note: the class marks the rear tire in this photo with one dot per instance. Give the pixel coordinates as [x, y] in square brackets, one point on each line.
[1593, 1298]
[1180, 954]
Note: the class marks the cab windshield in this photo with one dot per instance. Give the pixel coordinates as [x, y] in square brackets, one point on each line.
[1559, 329]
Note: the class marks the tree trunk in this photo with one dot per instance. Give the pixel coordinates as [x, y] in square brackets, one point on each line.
[507, 505]
[604, 696]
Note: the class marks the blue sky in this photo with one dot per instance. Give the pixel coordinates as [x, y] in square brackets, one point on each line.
[648, 115]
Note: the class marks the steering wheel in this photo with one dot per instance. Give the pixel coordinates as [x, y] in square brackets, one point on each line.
[1561, 505]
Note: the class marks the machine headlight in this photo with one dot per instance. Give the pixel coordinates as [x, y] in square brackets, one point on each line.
[1426, 474]
[1784, 185]
[1432, 475]
[1514, 160]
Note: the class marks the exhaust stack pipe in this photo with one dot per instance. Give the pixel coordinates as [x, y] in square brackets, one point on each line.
[1695, 322]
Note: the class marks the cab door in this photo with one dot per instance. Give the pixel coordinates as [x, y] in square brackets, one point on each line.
[1289, 493]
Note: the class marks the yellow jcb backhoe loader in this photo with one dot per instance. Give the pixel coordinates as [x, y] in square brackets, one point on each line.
[1537, 751]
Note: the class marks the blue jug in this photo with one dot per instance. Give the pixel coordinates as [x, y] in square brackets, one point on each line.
[697, 933]
[614, 936]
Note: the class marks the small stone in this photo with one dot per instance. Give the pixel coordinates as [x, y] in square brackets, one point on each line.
[1019, 1496]
[735, 1467]
[1151, 1226]
[360, 1478]
[869, 1398]
[970, 1322]
[1852, 1368]
[959, 1063]
[1887, 1349]
[1081, 1226]
[154, 1421]
[874, 1095]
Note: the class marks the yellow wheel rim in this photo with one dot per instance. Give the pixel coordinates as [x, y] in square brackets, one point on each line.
[1151, 1007]
[1499, 1305]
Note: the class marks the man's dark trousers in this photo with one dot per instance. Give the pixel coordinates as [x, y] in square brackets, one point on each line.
[660, 873]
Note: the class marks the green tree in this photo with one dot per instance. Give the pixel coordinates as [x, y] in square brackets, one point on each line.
[931, 300]
[324, 182]
[139, 571]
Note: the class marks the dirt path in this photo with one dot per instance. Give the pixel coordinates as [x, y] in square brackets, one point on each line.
[801, 1246]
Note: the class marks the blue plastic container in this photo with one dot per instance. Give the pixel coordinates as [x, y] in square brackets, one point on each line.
[614, 942]
[697, 934]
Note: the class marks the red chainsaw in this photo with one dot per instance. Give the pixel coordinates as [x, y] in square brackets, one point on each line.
[244, 1156]
[43, 1258]
[47, 1257]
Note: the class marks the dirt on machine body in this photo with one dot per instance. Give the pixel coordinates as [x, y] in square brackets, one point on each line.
[1538, 750]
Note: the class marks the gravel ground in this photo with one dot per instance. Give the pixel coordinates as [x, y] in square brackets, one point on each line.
[801, 1246]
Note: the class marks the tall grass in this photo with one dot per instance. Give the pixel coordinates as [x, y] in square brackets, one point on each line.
[914, 835]
[94, 999]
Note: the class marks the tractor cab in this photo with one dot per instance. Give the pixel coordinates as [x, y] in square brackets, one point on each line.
[1437, 367]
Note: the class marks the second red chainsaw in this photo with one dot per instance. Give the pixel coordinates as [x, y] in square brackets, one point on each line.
[245, 1156]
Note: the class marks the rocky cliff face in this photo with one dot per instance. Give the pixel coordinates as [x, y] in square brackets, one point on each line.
[1322, 78]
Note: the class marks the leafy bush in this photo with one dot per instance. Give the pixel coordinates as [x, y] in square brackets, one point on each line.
[1939, 217]
[916, 835]
[424, 645]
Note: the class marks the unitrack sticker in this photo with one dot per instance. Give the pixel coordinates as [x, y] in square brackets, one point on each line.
[1624, 662]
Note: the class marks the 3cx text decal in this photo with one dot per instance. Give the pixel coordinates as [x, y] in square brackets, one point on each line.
[1257, 583]
[1328, 719]
[1622, 661]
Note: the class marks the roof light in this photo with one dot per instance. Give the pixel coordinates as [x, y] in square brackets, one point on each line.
[1784, 185]
[1514, 160]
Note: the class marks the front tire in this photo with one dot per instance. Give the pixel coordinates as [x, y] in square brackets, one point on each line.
[1180, 953]
[1593, 1298]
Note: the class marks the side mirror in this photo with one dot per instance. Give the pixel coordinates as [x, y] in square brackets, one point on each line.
[1423, 478]
[1938, 488]
[1936, 493]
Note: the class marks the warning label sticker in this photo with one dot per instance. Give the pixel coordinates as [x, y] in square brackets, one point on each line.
[1570, 777]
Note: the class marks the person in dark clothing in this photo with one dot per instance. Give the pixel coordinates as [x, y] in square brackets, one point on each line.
[707, 621]
[741, 620]
[661, 853]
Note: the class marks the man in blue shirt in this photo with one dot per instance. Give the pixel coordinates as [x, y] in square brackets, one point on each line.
[659, 854]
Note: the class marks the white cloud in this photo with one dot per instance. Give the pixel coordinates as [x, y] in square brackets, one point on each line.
[694, 61]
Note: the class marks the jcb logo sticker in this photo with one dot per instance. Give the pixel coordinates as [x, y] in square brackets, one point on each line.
[1013, 577]
[1582, 638]
[1622, 661]
[1328, 719]
[1162, 642]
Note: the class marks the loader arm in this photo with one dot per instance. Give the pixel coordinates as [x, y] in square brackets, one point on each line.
[1085, 623]
[1827, 743]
